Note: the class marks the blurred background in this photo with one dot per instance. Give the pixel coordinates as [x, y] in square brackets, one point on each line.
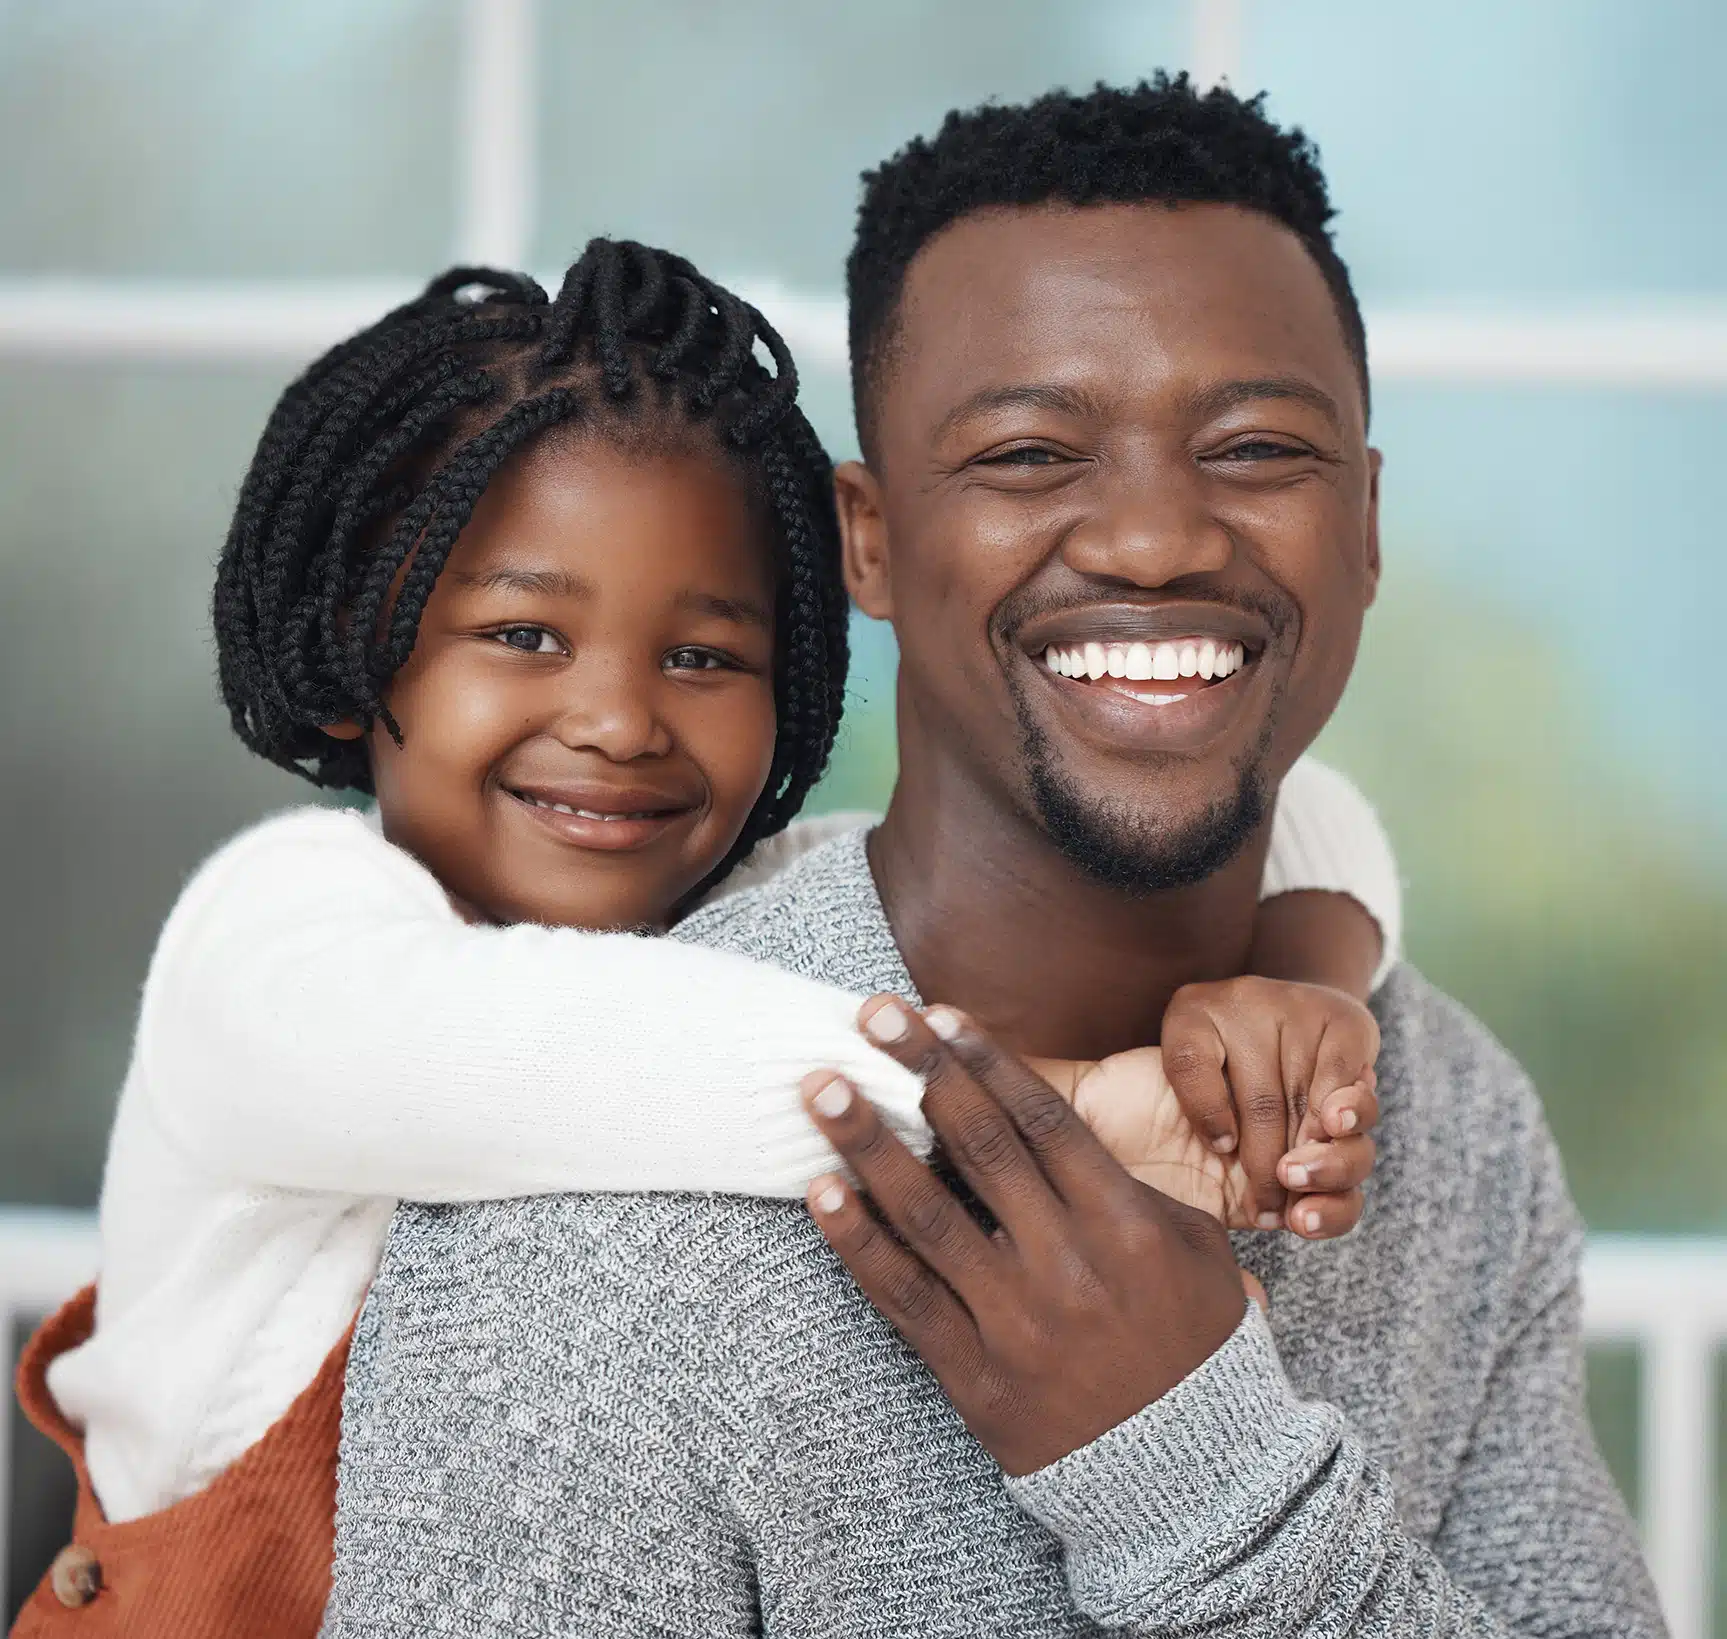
[201, 194]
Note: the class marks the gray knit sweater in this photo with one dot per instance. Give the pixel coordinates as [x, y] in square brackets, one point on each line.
[676, 1415]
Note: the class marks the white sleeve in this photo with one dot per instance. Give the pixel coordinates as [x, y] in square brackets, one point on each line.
[317, 1017]
[1326, 838]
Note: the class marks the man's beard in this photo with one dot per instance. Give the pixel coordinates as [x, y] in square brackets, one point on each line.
[1127, 847]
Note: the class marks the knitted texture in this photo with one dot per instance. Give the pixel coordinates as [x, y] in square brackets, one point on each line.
[676, 1415]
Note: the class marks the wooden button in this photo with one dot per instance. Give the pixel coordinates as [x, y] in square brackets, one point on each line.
[75, 1576]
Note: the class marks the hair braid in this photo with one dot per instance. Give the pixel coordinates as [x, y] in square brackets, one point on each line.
[373, 460]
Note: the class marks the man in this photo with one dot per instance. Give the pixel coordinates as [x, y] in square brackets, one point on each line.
[1111, 385]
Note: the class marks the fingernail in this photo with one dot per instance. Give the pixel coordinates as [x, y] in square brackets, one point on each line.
[1310, 1222]
[887, 1024]
[943, 1021]
[1223, 1143]
[833, 1100]
[1270, 1220]
[1348, 1120]
[829, 1198]
[1297, 1177]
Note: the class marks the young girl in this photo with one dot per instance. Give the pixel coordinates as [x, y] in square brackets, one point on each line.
[558, 583]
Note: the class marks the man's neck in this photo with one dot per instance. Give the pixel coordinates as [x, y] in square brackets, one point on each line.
[992, 918]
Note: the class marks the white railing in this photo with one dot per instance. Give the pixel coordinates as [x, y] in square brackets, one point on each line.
[1668, 1298]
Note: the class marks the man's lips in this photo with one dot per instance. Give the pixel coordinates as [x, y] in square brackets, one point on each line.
[1152, 624]
[605, 817]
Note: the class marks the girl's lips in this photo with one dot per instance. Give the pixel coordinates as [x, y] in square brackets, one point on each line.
[605, 830]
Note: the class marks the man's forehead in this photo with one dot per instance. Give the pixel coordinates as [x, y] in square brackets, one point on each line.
[1115, 289]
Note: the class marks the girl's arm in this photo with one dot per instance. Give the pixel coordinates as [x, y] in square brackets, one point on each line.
[1331, 908]
[318, 1018]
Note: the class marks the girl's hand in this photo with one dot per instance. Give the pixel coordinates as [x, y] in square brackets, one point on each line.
[1129, 1102]
[1268, 1070]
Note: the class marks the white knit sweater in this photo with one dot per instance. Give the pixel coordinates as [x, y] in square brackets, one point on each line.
[321, 1034]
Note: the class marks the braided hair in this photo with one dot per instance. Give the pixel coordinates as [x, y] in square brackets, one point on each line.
[372, 462]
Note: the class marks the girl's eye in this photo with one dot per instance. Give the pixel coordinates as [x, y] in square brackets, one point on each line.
[529, 640]
[691, 659]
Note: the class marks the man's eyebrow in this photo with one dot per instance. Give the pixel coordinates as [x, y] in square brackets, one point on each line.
[741, 611]
[1226, 395]
[551, 583]
[1027, 395]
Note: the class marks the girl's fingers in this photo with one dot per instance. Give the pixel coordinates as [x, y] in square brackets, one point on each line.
[1325, 1217]
[1329, 1168]
[1350, 1109]
[1193, 1056]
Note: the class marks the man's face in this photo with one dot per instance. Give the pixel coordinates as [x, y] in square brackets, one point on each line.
[1118, 449]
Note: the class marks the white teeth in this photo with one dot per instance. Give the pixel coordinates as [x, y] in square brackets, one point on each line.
[1191, 657]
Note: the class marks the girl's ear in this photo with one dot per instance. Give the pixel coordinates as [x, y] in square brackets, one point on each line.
[863, 538]
[342, 731]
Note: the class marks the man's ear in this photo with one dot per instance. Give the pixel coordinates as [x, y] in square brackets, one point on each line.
[1375, 462]
[863, 539]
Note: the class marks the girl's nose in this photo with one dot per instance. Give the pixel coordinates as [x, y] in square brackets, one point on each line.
[613, 709]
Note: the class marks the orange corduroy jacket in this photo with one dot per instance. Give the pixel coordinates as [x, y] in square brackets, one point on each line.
[248, 1555]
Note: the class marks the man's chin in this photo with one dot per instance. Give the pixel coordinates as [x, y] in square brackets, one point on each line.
[1139, 851]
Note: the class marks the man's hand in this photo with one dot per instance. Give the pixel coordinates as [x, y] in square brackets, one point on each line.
[1268, 1070]
[1131, 1105]
[1094, 1296]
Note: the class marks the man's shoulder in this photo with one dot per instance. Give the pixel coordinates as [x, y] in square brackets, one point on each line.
[821, 917]
[1462, 1126]
[562, 1279]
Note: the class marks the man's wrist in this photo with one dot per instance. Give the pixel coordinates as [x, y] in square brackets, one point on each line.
[1232, 1432]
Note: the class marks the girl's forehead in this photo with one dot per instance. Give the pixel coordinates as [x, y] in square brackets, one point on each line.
[586, 510]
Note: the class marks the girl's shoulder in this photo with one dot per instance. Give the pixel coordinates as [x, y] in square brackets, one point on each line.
[304, 856]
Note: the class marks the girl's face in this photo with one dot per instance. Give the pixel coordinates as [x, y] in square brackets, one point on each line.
[588, 713]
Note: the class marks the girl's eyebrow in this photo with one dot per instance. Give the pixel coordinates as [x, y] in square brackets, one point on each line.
[743, 611]
[555, 583]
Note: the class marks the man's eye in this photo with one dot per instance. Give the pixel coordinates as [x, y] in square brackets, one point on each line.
[1263, 449]
[529, 640]
[1033, 455]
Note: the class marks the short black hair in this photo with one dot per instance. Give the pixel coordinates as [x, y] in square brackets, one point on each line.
[372, 462]
[1161, 141]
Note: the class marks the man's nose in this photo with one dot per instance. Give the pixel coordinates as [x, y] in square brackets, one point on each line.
[1150, 525]
[612, 707]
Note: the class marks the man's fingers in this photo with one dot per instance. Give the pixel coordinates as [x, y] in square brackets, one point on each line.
[1059, 1148]
[1330, 1167]
[1324, 1217]
[1193, 1055]
[921, 1208]
[922, 1308]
